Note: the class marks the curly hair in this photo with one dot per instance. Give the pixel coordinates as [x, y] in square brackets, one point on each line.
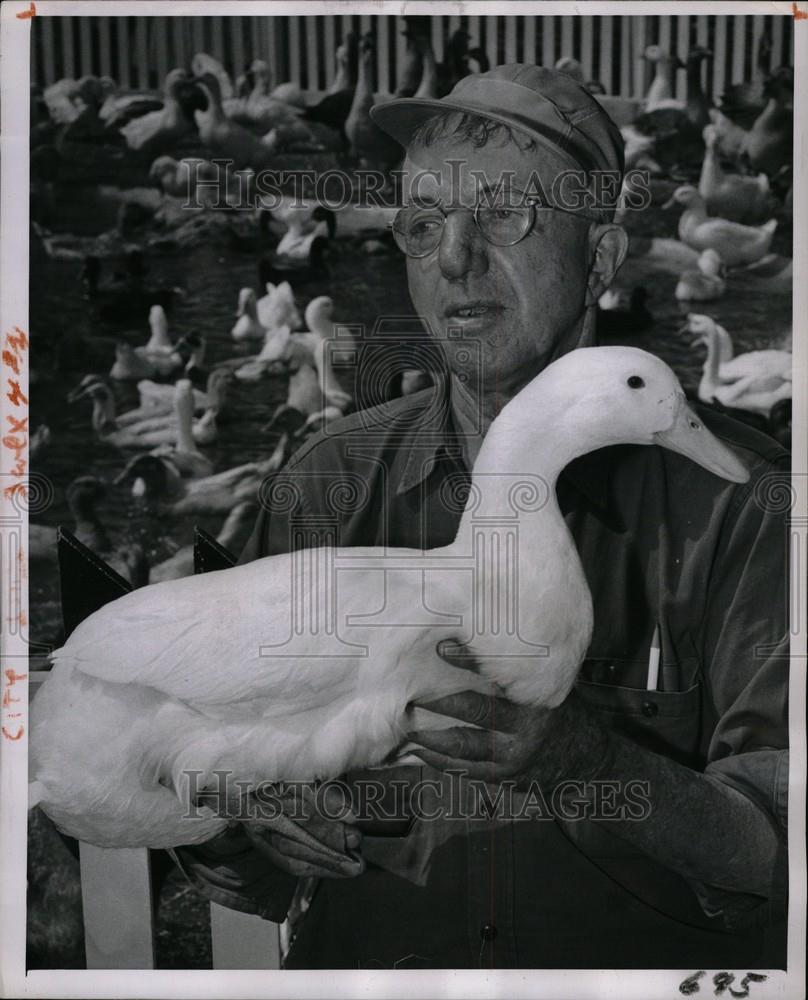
[468, 127]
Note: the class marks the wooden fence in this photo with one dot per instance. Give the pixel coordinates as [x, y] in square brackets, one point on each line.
[138, 51]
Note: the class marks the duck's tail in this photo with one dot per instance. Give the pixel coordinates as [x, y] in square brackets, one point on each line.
[769, 227]
[36, 793]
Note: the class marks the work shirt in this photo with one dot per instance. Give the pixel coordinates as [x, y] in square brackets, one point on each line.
[665, 545]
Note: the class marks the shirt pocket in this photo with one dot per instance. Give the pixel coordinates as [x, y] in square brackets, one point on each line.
[666, 722]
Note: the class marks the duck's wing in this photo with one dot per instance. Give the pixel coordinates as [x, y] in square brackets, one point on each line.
[212, 641]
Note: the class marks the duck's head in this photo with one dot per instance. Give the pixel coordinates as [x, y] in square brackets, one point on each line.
[710, 135]
[163, 166]
[246, 303]
[82, 390]
[191, 348]
[219, 382]
[711, 263]
[702, 327]
[570, 67]
[260, 76]
[698, 54]
[601, 396]
[83, 494]
[158, 322]
[686, 195]
[655, 55]
[319, 311]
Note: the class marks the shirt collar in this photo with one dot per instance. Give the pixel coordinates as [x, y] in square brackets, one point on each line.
[452, 429]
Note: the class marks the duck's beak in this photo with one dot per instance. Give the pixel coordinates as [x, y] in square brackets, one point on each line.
[688, 436]
[78, 393]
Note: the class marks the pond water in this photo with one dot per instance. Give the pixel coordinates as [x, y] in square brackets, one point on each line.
[69, 341]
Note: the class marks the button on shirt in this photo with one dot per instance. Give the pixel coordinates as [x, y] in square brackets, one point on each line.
[664, 544]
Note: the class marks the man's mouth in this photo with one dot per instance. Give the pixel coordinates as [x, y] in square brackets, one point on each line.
[473, 309]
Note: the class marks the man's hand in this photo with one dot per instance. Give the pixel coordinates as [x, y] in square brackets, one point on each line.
[513, 741]
[306, 811]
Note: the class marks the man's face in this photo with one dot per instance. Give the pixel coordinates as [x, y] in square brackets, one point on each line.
[523, 304]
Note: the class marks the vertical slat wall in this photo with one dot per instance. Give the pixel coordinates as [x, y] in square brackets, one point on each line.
[138, 51]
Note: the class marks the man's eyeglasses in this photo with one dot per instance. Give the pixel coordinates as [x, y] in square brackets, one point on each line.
[418, 230]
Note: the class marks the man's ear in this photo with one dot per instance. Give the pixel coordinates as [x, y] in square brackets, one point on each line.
[608, 246]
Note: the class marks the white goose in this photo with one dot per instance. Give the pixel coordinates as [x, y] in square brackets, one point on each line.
[151, 687]
[754, 381]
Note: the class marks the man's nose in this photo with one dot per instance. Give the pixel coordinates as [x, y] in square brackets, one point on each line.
[462, 248]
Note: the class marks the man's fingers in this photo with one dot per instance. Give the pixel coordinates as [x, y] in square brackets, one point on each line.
[478, 709]
[463, 743]
[483, 770]
[311, 869]
[333, 805]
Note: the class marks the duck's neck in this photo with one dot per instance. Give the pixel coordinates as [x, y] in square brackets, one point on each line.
[159, 334]
[710, 373]
[250, 308]
[694, 214]
[364, 90]
[711, 171]
[660, 88]
[724, 347]
[185, 418]
[103, 413]
[694, 79]
[342, 81]
[215, 109]
[524, 452]
[429, 79]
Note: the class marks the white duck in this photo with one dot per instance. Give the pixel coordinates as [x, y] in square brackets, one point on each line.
[760, 370]
[706, 282]
[156, 478]
[319, 339]
[731, 196]
[278, 308]
[151, 687]
[157, 398]
[164, 129]
[182, 449]
[247, 325]
[225, 138]
[270, 360]
[103, 418]
[737, 244]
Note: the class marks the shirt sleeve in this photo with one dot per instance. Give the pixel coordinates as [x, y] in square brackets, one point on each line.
[745, 643]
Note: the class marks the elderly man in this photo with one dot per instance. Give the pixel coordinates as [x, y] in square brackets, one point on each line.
[666, 847]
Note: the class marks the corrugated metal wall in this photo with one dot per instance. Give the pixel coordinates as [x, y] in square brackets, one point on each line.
[138, 51]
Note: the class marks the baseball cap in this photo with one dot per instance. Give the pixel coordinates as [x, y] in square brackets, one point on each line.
[551, 107]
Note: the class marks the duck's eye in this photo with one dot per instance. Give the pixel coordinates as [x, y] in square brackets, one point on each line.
[695, 425]
[635, 382]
